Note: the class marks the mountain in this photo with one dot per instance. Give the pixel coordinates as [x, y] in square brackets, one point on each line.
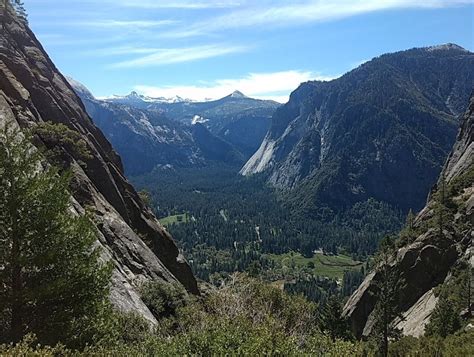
[33, 91]
[146, 138]
[380, 131]
[143, 102]
[431, 263]
[240, 120]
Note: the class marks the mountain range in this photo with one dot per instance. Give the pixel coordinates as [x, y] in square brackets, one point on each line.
[146, 139]
[236, 118]
[381, 131]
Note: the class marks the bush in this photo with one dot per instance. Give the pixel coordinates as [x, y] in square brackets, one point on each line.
[163, 299]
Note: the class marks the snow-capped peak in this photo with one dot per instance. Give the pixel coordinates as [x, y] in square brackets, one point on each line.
[238, 94]
[446, 47]
[136, 97]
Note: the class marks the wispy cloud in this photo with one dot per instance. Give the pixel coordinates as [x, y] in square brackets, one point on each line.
[116, 24]
[179, 55]
[275, 85]
[178, 4]
[277, 14]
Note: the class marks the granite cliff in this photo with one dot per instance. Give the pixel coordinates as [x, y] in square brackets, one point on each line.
[427, 263]
[381, 131]
[33, 91]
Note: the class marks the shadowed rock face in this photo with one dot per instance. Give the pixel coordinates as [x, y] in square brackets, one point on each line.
[33, 91]
[426, 263]
[381, 131]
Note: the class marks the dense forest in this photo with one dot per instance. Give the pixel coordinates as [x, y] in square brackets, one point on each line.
[226, 223]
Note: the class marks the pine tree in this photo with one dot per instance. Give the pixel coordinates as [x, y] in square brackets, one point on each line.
[388, 297]
[444, 319]
[51, 281]
[332, 321]
[20, 10]
[441, 207]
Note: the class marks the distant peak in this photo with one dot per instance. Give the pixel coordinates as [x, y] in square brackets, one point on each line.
[134, 95]
[446, 47]
[80, 88]
[238, 94]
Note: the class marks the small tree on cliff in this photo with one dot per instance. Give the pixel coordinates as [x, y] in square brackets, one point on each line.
[20, 10]
[16, 5]
[51, 281]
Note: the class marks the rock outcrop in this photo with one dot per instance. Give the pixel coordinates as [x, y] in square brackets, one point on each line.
[426, 263]
[381, 131]
[33, 91]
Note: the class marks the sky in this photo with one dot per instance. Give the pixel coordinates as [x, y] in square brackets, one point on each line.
[206, 49]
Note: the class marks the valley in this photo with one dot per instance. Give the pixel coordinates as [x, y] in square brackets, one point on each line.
[314, 215]
[260, 231]
[345, 195]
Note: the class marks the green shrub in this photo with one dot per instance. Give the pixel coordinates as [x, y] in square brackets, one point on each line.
[163, 299]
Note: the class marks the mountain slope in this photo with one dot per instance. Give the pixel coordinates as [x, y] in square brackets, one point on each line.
[240, 120]
[33, 91]
[428, 263]
[382, 130]
[146, 139]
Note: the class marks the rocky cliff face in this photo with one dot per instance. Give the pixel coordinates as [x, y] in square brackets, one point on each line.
[427, 262]
[382, 130]
[33, 91]
[147, 139]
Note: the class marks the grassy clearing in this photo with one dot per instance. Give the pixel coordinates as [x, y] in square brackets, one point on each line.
[324, 265]
[176, 219]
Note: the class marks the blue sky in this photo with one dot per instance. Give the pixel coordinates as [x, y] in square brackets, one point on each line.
[207, 48]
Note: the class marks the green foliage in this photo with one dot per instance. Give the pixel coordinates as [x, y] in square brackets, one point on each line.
[28, 346]
[454, 296]
[56, 136]
[163, 299]
[408, 234]
[460, 344]
[128, 328]
[51, 282]
[175, 219]
[444, 320]
[324, 265]
[145, 197]
[17, 6]
[388, 285]
[332, 321]
[20, 10]
[237, 224]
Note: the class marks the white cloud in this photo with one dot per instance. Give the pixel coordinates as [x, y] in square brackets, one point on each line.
[276, 86]
[178, 4]
[120, 51]
[282, 13]
[115, 24]
[179, 55]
